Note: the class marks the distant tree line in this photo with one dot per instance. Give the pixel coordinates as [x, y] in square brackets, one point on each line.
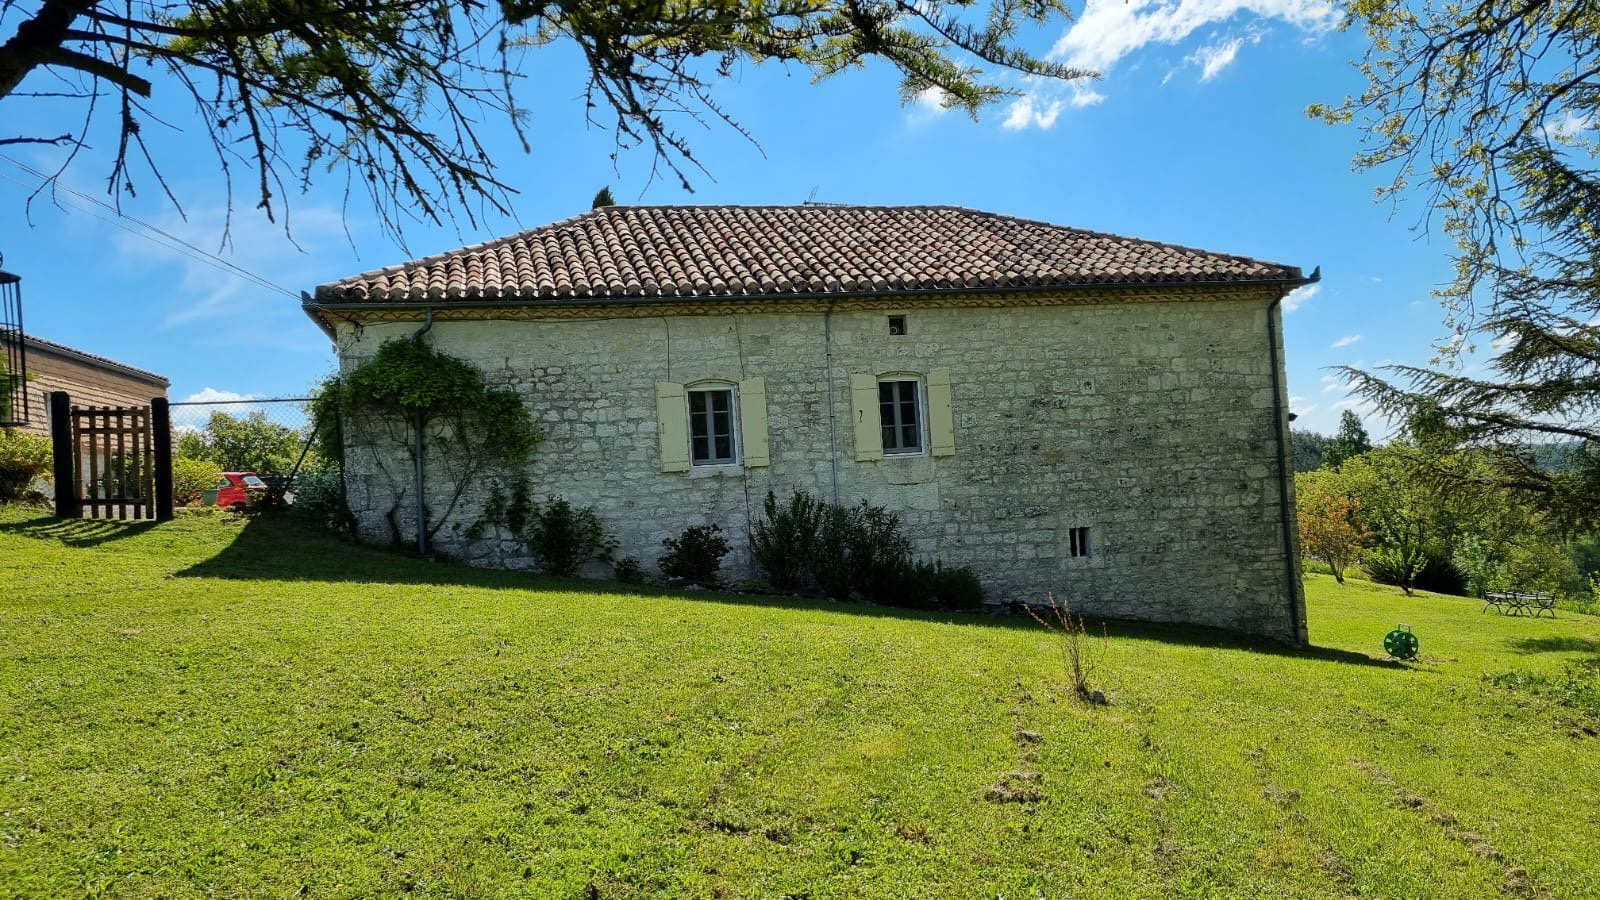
[1421, 514]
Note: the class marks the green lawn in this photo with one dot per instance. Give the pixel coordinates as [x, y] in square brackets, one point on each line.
[219, 707]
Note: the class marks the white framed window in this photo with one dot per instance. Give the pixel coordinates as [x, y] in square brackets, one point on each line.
[901, 416]
[713, 431]
[712, 424]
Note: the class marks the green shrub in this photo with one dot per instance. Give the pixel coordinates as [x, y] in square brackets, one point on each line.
[1482, 572]
[878, 553]
[628, 571]
[319, 497]
[564, 538]
[1537, 565]
[1391, 565]
[696, 555]
[1586, 602]
[23, 457]
[859, 551]
[191, 478]
[932, 586]
[849, 552]
[828, 568]
[783, 544]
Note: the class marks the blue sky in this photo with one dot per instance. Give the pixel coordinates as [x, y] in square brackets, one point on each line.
[1196, 134]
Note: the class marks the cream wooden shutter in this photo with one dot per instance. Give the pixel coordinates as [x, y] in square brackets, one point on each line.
[941, 422]
[753, 422]
[864, 413]
[672, 425]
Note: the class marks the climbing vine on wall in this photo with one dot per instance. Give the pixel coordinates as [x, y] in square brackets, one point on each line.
[408, 389]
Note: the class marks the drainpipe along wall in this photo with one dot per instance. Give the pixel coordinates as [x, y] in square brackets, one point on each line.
[1280, 423]
[827, 380]
[421, 448]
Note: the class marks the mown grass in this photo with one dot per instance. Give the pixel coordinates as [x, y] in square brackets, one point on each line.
[222, 706]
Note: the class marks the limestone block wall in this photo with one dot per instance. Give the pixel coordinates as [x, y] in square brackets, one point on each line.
[1151, 424]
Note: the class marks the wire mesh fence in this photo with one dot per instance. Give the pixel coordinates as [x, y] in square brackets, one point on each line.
[228, 452]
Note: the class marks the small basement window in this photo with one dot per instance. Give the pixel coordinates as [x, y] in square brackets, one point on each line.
[1078, 542]
[711, 441]
[900, 413]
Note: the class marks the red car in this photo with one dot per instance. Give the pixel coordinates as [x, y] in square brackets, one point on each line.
[233, 489]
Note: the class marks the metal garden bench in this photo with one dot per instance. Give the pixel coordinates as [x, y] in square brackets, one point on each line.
[1517, 603]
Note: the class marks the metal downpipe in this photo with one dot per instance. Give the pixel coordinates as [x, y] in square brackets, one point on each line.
[1297, 604]
[419, 451]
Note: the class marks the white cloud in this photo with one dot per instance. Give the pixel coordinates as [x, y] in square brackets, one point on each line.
[1299, 296]
[1345, 341]
[1030, 111]
[928, 104]
[1108, 31]
[1305, 410]
[194, 411]
[212, 395]
[1213, 59]
[1568, 126]
[1331, 383]
[1082, 97]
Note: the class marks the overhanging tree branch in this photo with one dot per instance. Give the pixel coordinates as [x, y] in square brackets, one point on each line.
[396, 90]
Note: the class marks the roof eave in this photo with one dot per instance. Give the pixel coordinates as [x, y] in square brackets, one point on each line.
[317, 307]
[106, 364]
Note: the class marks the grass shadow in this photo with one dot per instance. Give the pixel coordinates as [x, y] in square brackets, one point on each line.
[275, 547]
[1556, 644]
[78, 532]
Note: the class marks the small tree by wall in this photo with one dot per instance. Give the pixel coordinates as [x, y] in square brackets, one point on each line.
[412, 405]
[1330, 527]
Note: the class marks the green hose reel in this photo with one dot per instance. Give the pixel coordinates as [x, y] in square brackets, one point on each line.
[1401, 643]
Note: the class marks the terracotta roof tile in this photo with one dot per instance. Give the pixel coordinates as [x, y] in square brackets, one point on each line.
[668, 252]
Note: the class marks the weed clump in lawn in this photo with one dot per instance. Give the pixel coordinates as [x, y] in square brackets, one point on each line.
[1016, 787]
[1576, 687]
[1078, 652]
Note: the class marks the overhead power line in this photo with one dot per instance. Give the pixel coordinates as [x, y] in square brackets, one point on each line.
[148, 231]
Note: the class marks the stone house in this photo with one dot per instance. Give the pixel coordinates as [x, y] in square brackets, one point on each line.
[91, 381]
[1059, 409]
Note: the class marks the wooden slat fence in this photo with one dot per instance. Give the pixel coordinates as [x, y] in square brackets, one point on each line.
[114, 464]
